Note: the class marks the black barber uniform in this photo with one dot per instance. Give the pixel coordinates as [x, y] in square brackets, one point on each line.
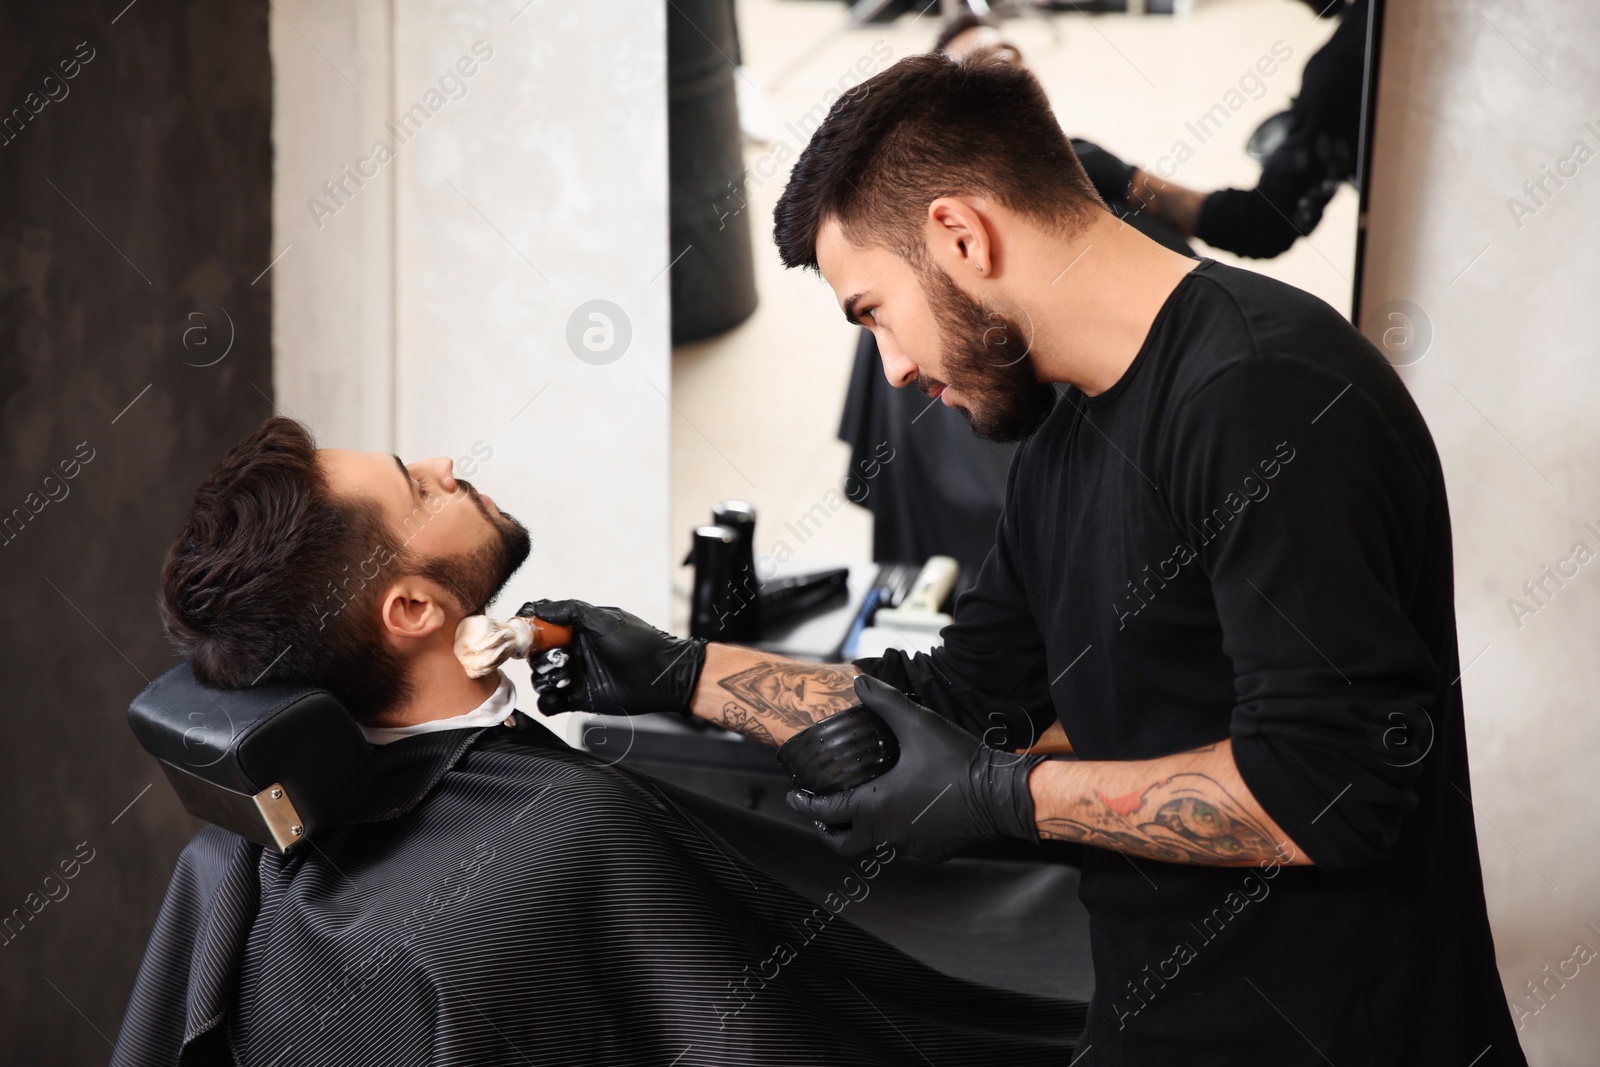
[508, 900]
[940, 493]
[1247, 538]
[1318, 154]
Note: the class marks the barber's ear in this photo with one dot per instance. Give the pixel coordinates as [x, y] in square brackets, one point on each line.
[412, 608]
[960, 236]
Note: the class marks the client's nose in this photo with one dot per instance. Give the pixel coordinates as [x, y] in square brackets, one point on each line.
[440, 468]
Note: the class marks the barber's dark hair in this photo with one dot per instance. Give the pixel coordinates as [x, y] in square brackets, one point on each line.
[274, 578]
[927, 127]
[959, 23]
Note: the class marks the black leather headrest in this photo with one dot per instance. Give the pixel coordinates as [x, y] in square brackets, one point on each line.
[274, 763]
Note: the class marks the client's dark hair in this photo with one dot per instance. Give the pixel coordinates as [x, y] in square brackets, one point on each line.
[275, 578]
[927, 127]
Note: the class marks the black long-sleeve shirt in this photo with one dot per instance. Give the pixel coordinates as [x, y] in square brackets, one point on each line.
[1247, 537]
[1319, 153]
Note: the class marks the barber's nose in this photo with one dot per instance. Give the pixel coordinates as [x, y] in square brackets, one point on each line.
[441, 468]
[899, 368]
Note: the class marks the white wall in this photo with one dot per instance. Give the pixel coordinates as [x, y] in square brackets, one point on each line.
[1474, 101]
[332, 281]
[425, 309]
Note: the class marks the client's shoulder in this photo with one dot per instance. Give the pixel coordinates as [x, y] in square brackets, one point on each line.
[210, 853]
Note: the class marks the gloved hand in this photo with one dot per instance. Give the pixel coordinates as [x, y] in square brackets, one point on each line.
[947, 791]
[617, 664]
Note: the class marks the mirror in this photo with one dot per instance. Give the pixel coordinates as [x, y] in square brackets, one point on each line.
[1195, 99]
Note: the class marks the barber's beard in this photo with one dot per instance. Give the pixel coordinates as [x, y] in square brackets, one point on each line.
[988, 363]
[476, 578]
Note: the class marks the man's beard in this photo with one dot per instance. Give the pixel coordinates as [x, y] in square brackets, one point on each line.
[986, 356]
[476, 578]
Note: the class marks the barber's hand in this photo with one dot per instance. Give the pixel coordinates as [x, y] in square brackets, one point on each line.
[1110, 176]
[947, 792]
[617, 664]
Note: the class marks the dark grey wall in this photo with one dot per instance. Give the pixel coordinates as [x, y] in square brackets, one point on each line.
[134, 215]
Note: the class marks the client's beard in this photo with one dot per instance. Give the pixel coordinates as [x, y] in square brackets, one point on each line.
[987, 357]
[476, 578]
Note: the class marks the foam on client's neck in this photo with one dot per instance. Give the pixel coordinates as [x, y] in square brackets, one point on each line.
[482, 643]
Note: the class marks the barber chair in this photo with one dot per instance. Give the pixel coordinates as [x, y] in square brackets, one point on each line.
[275, 763]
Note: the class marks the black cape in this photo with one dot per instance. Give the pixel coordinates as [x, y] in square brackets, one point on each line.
[510, 900]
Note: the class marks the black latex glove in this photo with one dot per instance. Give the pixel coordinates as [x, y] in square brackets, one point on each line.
[1109, 175]
[617, 664]
[947, 792]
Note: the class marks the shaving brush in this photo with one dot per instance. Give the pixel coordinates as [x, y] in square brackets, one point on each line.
[483, 644]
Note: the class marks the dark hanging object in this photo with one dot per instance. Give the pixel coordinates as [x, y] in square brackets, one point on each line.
[713, 269]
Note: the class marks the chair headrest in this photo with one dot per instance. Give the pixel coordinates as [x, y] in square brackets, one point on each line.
[275, 763]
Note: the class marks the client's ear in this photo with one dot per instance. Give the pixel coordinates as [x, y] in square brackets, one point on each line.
[412, 608]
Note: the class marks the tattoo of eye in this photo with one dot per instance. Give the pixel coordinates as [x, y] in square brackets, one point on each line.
[741, 721]
[1188, 818]
[796, 694]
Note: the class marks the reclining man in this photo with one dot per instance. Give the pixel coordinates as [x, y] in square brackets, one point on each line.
[503, 898]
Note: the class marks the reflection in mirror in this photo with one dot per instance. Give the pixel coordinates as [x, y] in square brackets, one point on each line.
[1229, 130]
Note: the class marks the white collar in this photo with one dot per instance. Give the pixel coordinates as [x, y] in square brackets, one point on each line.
[491, 712]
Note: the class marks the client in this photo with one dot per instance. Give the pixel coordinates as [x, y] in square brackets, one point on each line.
[504, 898]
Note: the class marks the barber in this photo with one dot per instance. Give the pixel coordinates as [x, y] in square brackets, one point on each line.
[1223, 568]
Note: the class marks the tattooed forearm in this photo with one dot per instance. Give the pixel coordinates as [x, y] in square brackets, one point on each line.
[1204, 815]
[741, 721]
[1188, 818]
[797, 693]
[781, 696]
